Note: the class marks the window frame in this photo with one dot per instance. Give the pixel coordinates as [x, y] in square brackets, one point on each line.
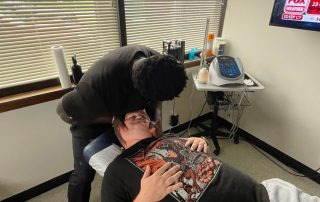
[28, 94]
[38, 85]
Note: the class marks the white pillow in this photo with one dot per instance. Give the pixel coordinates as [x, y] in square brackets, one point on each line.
[101, 160]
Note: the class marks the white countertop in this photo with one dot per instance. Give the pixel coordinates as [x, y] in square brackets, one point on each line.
[231, 87]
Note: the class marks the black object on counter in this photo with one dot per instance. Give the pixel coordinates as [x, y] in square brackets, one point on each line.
[175, 48]
[76, 70]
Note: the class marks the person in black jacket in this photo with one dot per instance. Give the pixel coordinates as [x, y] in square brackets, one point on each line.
[126, 79]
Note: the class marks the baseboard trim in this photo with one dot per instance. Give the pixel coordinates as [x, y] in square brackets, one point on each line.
[282, 157]
[39, 189]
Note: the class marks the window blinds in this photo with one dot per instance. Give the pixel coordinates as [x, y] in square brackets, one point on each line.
[28, 29]
[149, 22]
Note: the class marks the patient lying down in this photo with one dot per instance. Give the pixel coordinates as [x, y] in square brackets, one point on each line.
[170, 168]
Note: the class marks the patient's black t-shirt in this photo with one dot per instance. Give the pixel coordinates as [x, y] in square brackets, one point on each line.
[204, 178]
[107, 87]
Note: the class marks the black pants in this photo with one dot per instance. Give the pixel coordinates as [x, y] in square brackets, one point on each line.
[83, 175]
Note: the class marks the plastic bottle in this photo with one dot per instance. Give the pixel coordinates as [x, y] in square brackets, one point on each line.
[76, 70]
[210, 44]
[192, 54]
[219, 46]
[215, 47]
[203, 75]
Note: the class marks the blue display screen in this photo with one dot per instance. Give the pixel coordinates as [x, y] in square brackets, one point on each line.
[228, 67]
[300, 14]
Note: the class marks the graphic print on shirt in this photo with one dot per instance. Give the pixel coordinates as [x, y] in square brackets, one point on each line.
[199, 169]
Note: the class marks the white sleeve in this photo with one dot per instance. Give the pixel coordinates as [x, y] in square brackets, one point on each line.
[282, 191]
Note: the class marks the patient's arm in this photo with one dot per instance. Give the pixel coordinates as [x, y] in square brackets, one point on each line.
[158, 185]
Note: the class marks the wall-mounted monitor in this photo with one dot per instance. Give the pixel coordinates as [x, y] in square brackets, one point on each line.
[300, 14]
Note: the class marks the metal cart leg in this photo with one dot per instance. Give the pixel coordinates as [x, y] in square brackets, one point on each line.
[213, 131]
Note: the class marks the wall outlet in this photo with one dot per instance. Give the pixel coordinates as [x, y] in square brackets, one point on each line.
[174, 120]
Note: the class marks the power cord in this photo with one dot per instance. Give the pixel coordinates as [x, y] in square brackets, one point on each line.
[240, 109]
[173, 108]
[204, 104]
[190, 106]
[273, 161]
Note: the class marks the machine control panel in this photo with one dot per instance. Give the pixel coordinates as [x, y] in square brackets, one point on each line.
[228, 67]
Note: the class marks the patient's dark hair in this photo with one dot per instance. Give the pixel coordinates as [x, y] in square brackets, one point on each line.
[117, 123]
[159, 78]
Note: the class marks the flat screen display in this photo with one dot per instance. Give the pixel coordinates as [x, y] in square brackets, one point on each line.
[300, 14]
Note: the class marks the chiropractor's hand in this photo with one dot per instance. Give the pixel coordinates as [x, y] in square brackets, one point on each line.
[158, 185]
[197, 144]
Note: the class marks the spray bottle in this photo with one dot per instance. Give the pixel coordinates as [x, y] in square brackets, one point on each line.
[76, 70]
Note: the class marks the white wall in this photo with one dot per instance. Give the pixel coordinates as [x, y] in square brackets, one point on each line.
[286, 62]
[35, 144]
[35, 147]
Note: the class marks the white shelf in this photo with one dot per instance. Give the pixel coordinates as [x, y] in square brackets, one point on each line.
[232, 87]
